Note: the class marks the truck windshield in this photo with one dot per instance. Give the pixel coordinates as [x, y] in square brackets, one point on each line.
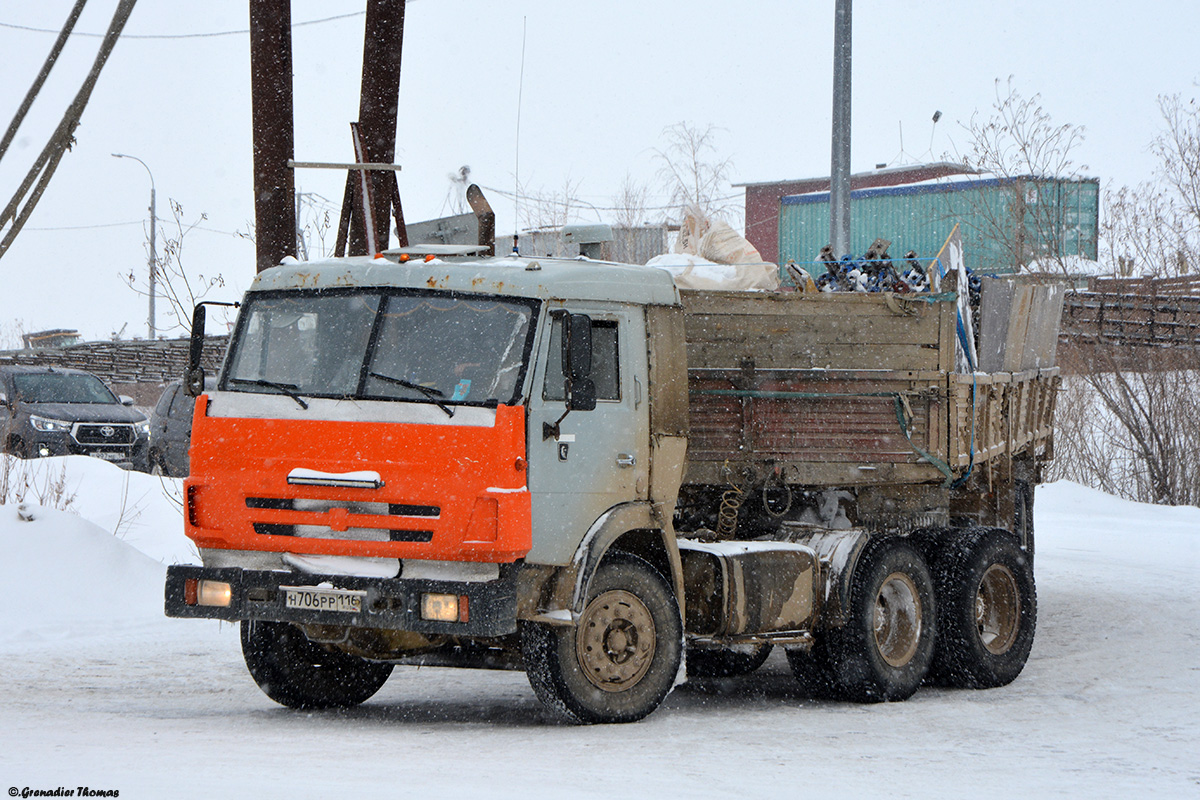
[429, 347]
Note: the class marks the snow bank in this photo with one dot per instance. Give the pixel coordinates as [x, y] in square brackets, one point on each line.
[143, 510]
[1083, 521]
[1072, 265]
[97, 567]
[65, 577]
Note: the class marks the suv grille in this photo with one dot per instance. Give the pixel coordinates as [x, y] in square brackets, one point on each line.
[103, 433]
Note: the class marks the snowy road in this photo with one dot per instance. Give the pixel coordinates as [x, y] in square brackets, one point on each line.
[1109, 706]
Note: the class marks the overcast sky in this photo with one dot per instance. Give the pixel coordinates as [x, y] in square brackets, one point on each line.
[601, 82]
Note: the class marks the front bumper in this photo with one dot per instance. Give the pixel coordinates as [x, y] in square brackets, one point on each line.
[129, 456]
[393, 604]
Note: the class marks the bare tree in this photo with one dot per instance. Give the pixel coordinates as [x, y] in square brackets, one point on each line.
[11, 334]
[1132, 416]
[551, 209]
[630, 203]
[1019, 143]
[1154, 228]
[695, 175]
[176, 284]
[635, 238]
[315, 214]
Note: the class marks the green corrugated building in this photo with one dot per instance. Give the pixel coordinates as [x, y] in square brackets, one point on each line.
[1004, 222]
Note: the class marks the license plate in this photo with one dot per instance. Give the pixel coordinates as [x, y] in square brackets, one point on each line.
[108, 455]
[310, 598]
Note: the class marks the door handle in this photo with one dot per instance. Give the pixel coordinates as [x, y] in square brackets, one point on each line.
[626, 460]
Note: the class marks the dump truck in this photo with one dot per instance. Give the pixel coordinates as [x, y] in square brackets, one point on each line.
[576, 469]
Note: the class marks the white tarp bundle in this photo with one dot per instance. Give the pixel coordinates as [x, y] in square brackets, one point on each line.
[712, 255]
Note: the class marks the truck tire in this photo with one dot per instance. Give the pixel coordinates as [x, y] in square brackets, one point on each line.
[617, 663]
[884, 650]
[299, 673]
[812, 671]
[987, 610]
[726, 662]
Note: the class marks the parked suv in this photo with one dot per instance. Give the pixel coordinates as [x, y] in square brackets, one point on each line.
[49, 411]
[171, 430]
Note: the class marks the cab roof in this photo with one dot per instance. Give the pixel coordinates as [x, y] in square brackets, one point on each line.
[516, 276]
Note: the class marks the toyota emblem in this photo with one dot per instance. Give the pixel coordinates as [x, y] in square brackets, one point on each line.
[108, 431]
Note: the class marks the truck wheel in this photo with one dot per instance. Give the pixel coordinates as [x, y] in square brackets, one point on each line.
[299, 673]
[726, 662]
[987, 610]
[619, 660]
[812, 671]
[886, 646]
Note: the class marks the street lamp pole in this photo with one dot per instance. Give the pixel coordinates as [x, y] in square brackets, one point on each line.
[153, 261]
[839, 173]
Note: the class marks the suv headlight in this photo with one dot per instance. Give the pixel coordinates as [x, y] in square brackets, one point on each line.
[142, 428]
[47, 425]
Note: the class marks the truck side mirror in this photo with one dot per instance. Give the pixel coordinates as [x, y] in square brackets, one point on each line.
[582, 395]
[193, 378]
[577, 346]
[577, 362]
[4, 401]
[576, 368]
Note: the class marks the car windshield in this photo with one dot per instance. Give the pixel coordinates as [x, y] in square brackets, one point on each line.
[423, 347]
[61, 387]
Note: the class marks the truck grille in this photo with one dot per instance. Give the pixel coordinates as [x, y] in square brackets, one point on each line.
[318, 509]
[110, 433]
[354, 534]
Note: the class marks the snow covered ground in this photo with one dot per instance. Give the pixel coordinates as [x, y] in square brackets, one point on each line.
[100, 690]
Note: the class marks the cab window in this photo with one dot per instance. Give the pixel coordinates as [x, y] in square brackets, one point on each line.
[605, 363]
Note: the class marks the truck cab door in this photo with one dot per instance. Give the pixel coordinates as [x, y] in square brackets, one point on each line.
[600, 457]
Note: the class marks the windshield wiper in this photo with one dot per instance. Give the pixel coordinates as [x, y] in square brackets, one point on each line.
[430, 392]
[287, 388]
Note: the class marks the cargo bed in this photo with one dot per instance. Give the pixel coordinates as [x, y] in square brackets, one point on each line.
[847, 390]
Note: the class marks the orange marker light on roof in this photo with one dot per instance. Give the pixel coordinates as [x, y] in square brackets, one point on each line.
[429, 258]
[403, 257]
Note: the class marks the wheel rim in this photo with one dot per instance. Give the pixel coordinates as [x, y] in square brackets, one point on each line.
[897, 619]
[998, 609]
[615, 642]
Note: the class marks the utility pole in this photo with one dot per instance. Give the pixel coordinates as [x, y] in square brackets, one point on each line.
[152, 331]
[272, 125]
[274, 138]
[378, 109]
[839, 174]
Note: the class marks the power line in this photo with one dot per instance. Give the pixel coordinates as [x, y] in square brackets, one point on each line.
[209, 35]
[90, 227]
[126, 225]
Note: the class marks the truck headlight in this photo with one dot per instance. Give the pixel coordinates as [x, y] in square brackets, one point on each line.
[47, 425]
[142, 428]
[444, 607]
[207, 593]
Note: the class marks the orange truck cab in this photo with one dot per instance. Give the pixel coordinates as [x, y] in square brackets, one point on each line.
[408, 460]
